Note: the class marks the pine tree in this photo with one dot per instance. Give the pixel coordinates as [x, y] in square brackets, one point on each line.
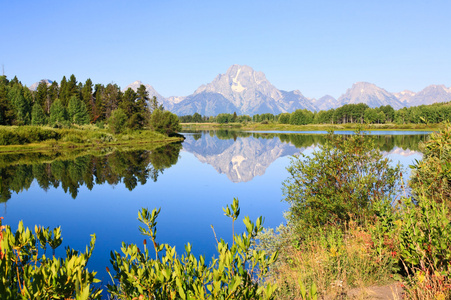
[37, 115]
[6, 109]
[141, 116]
[52, 95]
[57, 112]
[21, 102]
[153, 104]
[77, 111]
[99, 113]
[88, 99]
[41, 94]
[111, 99]
[128, 102]
[63, 92]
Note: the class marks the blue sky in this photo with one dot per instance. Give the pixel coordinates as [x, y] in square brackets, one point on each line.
[318, 47]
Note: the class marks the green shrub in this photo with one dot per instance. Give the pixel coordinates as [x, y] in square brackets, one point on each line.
[26, 134]
[165, 122]
[100, 124]
[74, 138]
[27, 273]
[425, 236]
[431, 177]
[340, 182]
[235, 274]
[117, 121]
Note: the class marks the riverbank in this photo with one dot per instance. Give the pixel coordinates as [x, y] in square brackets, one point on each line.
[24, 139]
[310, 127]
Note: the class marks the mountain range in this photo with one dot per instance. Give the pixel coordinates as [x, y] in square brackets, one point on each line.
[246, 91]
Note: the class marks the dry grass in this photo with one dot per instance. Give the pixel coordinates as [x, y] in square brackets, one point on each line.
[335, 260]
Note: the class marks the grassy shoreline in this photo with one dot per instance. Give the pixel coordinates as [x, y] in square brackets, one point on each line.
[24, 139]
[310, 127]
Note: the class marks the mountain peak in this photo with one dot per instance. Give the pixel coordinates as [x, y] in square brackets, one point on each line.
[34, 86]
[370, 94]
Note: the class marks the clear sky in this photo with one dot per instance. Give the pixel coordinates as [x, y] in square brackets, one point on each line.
[318, 47]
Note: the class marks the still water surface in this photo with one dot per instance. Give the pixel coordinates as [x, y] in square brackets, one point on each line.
[191, 182]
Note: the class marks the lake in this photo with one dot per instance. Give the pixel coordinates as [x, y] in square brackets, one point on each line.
[190, 181]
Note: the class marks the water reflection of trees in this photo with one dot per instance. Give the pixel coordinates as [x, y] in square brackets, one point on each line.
[130, 167]
[383, 142]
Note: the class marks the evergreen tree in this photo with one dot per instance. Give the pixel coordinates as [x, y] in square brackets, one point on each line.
[21, 102]
[52, 95]
[153, 104]
[41, 94]
[37, 115]
[6, 108]
[141, 115]
[77, 111]
[57, 112]
[111, 99]
[63, 92]
[14, 81]
[87, 96]
[128, 102]
[99, 113]
[72, 88]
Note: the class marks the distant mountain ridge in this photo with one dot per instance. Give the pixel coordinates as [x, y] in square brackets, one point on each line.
[246, 91]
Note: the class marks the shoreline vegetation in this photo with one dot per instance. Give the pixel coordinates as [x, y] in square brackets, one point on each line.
[311, 127]
[24, 139]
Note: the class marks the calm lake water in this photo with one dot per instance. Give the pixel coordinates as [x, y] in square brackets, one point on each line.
[191, 182]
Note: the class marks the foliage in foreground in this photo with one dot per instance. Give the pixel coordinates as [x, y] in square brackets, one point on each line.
[339, 182]
[431, 177]
[408, 242]
[235, 274]
[27, 273]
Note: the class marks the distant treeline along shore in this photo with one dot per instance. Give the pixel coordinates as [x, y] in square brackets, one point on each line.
[73, 102]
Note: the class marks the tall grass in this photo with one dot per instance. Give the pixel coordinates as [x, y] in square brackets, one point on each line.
[23, 135]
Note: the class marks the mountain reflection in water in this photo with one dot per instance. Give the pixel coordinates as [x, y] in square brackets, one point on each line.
[243, 155]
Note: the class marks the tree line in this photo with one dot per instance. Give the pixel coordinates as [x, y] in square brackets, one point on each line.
[73, 102]
[348, 113]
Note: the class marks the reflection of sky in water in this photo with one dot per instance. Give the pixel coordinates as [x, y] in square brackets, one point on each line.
[191, 195]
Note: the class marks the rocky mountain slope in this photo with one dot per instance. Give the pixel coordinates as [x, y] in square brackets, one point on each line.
[370, 94]
[241, 90]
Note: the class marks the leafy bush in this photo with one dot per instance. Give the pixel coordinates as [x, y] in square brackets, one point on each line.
[27, 273]
[26, 134]
[235, 274]
[431, 177]
[117, 121]
[165, 122]
[341, 181]
[425, 236]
